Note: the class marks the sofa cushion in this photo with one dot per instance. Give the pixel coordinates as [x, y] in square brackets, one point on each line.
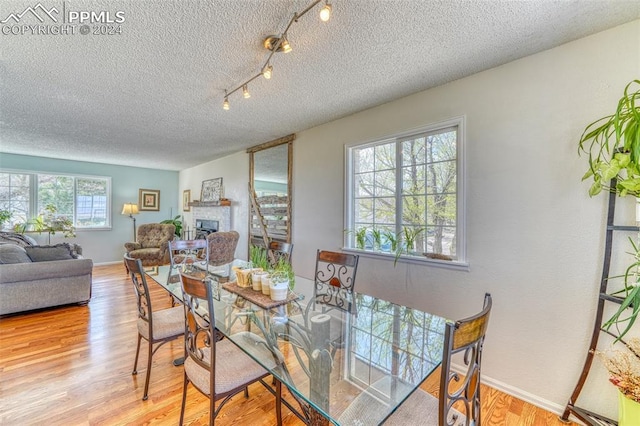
[48, 253]
[18, 239]
[11, 253]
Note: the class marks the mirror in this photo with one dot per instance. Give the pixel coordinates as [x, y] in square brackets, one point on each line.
[270, 191]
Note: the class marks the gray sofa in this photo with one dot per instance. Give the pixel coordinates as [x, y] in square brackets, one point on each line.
[35, 277]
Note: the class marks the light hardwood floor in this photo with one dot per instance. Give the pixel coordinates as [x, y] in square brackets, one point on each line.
[72, 366]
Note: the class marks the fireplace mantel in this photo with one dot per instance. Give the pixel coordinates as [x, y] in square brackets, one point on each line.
[222, 202]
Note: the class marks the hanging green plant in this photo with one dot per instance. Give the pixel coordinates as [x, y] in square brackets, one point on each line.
[613, 145]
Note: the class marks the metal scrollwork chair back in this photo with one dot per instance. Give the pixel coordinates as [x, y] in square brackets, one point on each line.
[187, 255]
[335, 278]
[157, 327]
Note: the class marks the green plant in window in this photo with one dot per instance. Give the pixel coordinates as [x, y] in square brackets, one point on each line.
[407, 245]
[377, 238]
[392, 239]
[48, 221]
[5, 216]
[360, 237]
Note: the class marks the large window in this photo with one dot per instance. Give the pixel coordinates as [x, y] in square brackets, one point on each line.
[404, 194]
[84, 200]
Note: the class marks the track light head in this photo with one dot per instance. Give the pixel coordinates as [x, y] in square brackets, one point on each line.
[273, 42]
[286, 47]
[245, 92]
[225, 104]
[325, 12]
[267, 72]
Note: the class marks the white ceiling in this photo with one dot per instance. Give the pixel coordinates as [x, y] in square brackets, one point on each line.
[152, 96]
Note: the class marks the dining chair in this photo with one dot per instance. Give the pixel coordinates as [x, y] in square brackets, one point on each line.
[185, 255]
[222, 250]
[334, 284]
[335, 278]
[218, 369]
[156, 327]
[458, 401]
[279, 251]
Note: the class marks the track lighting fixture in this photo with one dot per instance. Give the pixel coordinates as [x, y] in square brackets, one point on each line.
[277, 43]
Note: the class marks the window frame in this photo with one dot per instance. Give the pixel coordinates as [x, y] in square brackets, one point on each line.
[33, 195]
[461, 263]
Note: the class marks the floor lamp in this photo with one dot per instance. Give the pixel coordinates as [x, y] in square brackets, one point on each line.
[131, 209]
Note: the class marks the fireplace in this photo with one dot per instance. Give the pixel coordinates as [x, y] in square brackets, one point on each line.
[205, 227]
[211, 217]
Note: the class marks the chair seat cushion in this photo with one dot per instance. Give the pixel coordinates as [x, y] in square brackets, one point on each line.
[233, 369]
[166, 323]
[420, 408]
[145, 253]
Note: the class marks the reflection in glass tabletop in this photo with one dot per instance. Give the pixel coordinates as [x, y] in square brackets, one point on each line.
[328, 357]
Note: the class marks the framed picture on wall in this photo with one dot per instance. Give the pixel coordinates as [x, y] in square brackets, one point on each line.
[149, 200]
[211, 190]
[186, 199]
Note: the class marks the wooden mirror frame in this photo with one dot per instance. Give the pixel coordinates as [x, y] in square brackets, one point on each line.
[252, 207]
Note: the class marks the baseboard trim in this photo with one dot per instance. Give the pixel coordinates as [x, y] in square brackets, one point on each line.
[524, 395]
[532, 399]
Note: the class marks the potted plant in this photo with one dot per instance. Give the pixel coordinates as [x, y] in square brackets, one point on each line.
[284, 268]
[612, 144]
[624, 370]
[48, 221]
[5, 216]
[259, 264]
[177, 222]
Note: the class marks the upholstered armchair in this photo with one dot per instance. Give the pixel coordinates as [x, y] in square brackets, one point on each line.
[152, 247]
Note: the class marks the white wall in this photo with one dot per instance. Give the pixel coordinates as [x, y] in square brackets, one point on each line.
[234, 171]
[534, 236]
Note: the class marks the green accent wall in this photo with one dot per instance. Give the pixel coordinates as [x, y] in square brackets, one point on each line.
[106, 246]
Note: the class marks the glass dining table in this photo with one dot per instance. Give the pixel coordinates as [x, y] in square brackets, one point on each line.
[328, 357]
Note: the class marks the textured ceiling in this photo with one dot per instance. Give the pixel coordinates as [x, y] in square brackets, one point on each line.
[152, 95]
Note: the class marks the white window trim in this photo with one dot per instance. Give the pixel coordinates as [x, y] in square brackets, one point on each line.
[461, 263]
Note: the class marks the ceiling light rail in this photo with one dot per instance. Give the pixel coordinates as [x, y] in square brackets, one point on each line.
[276, 43]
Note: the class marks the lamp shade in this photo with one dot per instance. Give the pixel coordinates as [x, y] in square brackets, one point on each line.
[130, 208]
